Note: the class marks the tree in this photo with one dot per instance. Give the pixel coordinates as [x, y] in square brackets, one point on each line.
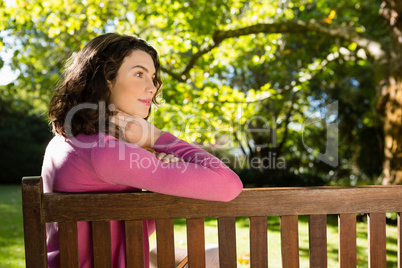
[390, 95]
[387, 68]
[228, 64]
[23, 138]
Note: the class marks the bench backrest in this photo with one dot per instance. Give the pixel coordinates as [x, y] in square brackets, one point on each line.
[257, 204]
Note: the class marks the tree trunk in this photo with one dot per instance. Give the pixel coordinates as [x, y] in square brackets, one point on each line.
[392, 166]
[390, 101]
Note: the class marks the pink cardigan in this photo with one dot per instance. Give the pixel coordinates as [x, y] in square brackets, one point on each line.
[103, 163]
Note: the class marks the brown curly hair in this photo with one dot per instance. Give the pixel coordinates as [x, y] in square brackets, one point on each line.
[85, 84]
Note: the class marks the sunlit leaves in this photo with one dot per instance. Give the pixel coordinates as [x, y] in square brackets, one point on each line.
[280, 77]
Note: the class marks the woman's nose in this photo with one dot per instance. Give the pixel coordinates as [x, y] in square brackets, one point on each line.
[151, 88]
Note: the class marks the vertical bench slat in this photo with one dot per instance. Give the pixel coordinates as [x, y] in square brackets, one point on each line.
[165, 243]
[399, 240]
[258, 242]
[68, 244]
[102, 248]
[290, 241]
[318, 240]
[196, 243]
[377, 240]
[227, 242]
[134, 244]
[34, 228]
[347, 240]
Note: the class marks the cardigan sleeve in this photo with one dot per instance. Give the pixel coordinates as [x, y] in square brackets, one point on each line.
[200, 176]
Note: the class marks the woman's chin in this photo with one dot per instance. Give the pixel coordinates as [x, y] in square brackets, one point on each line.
[142, 115]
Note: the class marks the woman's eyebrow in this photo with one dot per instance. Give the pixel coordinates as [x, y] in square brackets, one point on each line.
[142, 67]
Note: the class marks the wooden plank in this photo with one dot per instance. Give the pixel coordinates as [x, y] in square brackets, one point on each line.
[399, 240]
[34, 226]
[101, 240]
[377, 240]
[258, 242]
[227, 242]
[251, 202]
[68, 244]
[347, 240]
[318, 240]
[196, 243]
[165, 243]
[134, 244]
[290, 241]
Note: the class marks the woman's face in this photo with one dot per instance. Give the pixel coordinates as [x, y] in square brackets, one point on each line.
[134, 88]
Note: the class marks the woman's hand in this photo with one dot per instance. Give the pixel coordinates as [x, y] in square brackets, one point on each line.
[137, 130]
[168, 158]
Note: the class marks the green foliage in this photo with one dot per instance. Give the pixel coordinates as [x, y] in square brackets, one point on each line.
[23, 138]
[271, 81]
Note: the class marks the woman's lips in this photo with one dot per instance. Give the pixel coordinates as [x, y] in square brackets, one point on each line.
[147, 102]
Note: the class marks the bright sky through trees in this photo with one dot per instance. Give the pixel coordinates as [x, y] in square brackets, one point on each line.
[6, 74]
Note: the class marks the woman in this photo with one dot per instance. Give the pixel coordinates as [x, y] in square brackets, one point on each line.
[102, 140]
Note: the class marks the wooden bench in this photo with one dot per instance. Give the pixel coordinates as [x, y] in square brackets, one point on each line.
[257, 204]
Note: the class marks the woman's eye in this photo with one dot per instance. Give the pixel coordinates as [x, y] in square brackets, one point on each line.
[139, 74]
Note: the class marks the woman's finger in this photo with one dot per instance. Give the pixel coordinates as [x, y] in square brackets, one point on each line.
[167, 158]
[177, 159]
[160, 156]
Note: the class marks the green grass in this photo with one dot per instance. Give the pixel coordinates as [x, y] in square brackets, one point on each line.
[11, 229]
[12, 240]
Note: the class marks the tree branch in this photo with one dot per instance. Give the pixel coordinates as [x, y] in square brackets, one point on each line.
[174, 75]
[183, 76]
[239, 142]
[287, 120]
[372, 47]
[204, 50]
